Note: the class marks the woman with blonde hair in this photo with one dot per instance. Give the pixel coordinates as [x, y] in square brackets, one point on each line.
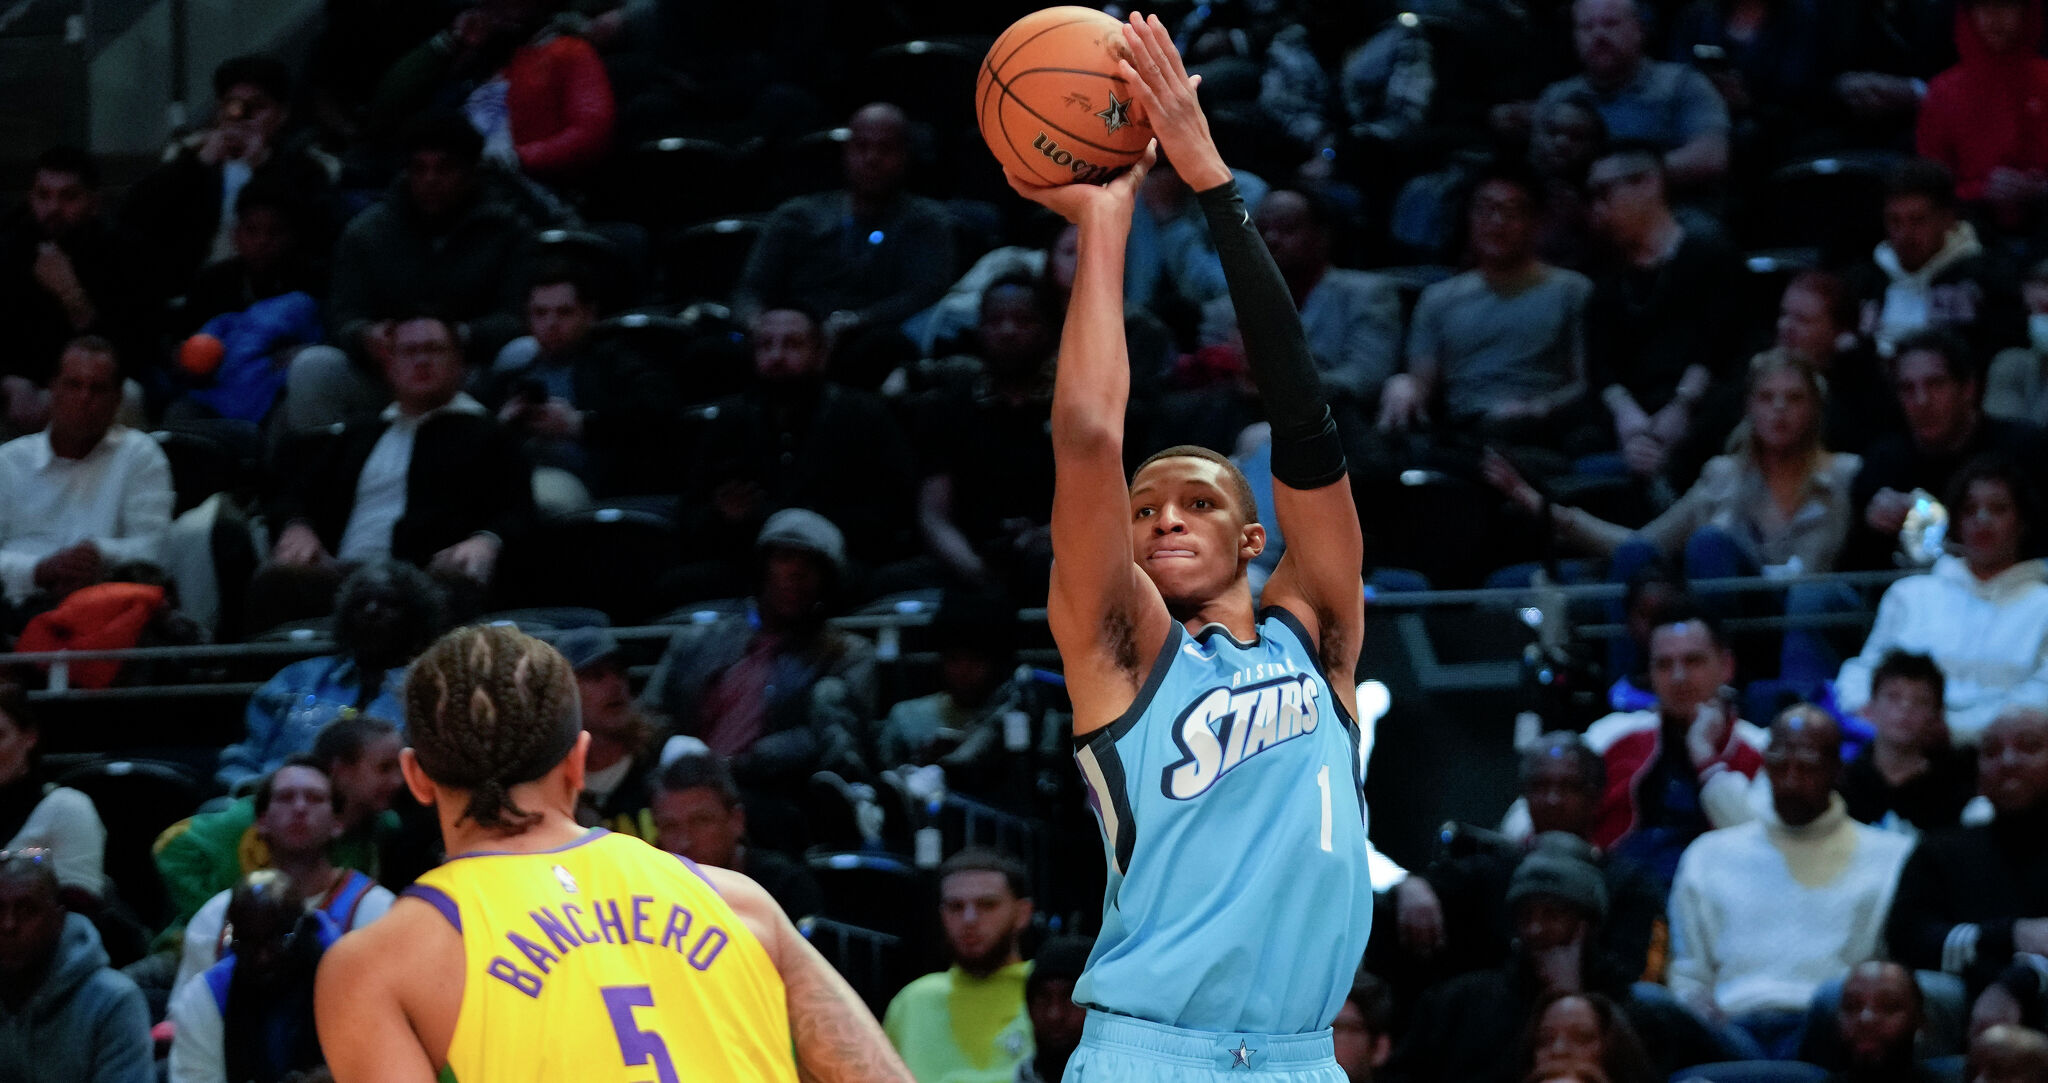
[1777, 502]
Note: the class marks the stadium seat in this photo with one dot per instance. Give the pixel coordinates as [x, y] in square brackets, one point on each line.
[832, 810]
[874, 963]
[1834, 204]
[201, 465]
[136, 800]
[669, 182]
[703, 262]
[874, 891]
[810, 163]
[605, 558]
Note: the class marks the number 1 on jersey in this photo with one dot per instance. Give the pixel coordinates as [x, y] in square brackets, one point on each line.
[637, 1047]
[1323, 784]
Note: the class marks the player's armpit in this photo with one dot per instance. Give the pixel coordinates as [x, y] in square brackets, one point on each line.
[1319, 579]
[364, 1033]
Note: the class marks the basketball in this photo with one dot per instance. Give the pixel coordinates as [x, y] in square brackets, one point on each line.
[1051, 104]
[200, 355]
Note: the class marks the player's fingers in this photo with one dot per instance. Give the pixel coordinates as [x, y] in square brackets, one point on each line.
[1164, 44]
[1144, 163]
[1146, 53]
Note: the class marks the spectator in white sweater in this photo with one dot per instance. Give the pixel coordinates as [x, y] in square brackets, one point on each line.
[1982, 615]
[1762, 914]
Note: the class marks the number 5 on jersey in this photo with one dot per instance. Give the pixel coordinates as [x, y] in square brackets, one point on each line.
[637, 1046]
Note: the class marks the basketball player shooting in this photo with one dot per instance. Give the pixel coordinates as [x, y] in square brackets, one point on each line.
[545, 951]
[1216, 737]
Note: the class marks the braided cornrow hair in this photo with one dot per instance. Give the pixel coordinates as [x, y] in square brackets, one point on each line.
[488, 707]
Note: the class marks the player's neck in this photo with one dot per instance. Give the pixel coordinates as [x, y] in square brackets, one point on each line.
[1233, 610]
[555, 830]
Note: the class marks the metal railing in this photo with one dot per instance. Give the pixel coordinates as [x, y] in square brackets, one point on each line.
[888, 628]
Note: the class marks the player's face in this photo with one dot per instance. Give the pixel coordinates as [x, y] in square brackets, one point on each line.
[300, 816]
[1687, 668]
[982, 919]
[698, 824]
[368, 785]
[1187, 531]
[1879, 1014]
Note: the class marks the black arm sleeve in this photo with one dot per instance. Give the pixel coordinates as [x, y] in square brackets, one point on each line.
[1306, 453]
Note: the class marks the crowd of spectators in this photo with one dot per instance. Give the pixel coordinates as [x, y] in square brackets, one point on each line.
[1645, 293]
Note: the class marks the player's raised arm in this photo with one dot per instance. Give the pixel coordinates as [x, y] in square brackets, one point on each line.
[1318, 578]
[1106, 616]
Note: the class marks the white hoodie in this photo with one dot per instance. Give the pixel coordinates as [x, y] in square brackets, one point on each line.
[1908, 304]
[1990, 638]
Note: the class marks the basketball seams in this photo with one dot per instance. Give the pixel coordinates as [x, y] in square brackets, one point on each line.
[1075, 136]
[995, 89]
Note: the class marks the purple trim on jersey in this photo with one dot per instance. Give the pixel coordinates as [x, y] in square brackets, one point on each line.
[694, 867]
[439, 900]
[588, 836]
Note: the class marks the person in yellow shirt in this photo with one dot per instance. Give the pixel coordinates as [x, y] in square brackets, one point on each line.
[547, 951]
[967, 1023]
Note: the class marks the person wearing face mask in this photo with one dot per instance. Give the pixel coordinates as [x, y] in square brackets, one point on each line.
[1981, 614]
[2017, 386]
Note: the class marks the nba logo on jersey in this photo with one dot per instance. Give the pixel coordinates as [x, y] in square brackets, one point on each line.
[567, 881]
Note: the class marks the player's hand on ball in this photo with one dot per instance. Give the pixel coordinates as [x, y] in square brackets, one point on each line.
[1167, 92]
[1074, 202]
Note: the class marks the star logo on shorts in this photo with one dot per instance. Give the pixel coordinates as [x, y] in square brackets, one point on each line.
[1241, 1057]
[1117, 114]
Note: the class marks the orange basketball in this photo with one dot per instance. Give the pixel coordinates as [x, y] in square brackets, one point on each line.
[1051, 104]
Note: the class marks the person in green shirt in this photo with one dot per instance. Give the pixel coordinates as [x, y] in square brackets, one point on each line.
[967, 1023]
[203, 855]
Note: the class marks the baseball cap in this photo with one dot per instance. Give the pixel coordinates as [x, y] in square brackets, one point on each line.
[802, 528]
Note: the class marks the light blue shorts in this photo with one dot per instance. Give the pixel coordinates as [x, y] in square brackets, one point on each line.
[1120, 1049]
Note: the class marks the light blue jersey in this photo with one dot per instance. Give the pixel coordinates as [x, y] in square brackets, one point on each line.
[1234, 823]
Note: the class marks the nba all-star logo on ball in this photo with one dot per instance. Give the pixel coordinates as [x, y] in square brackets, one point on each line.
[1038, 92]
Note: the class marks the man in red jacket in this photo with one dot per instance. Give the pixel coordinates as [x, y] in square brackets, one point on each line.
[1987, 117]
[1684, 766]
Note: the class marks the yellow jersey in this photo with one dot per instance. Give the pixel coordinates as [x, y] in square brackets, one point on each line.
[606, 960]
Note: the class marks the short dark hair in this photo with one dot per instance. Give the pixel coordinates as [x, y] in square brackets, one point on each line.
[1322, 213]
[1903, 665]
[1043, 297]
[1992, 466]
[266, 73]
[700, 770]
[90, 343]
[419, 311]
[1515, 172]
[345, 739]
[269, 191]
[73, 160]
[562, 272]
[983, 859]
[310, 763]
[1954, 352]
[446, 131]
[1922, 177]
[1690, 611]
[1060, 958]
[1240, 486]
[810, 314]
[1564, 744]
